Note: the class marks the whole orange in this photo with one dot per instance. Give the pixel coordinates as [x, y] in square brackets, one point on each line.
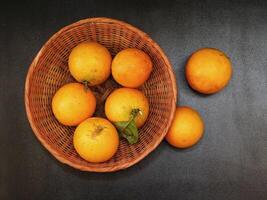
[131, 67]
[72, 104]
[121, 102]
[208, 70]
[96, 140]
[186, 129]
[90, 62]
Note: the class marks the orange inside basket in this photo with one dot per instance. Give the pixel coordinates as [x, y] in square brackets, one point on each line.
[49, 71]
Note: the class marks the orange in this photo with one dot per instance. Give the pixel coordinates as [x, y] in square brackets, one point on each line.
[131, 67]
[208, 70]
[186, 129]
[96, 140]
[72, 104]
[121, 102]
[90, 62]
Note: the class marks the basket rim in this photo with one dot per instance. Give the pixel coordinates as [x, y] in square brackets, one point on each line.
[28, 88]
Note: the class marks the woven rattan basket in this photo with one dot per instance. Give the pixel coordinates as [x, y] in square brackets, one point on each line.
[49, 71]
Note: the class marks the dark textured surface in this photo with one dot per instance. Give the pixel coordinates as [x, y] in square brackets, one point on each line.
[230, 162]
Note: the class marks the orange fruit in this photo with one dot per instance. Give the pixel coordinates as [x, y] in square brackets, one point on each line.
[208, 70]
[186, 129]
[96, 140]
[90, 62]
[131, 67]
[72, 104]
[122, 101]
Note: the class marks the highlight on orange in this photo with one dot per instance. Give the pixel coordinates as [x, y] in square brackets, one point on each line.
[187, 128]
[131, 67]
[208, 70]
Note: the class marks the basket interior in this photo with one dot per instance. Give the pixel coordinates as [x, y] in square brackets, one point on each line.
[51, 72]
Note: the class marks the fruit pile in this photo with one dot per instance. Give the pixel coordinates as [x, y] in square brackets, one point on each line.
[126, 109]
[97, 139]
[207, 71]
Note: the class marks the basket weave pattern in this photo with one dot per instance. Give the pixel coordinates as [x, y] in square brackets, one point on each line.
[49, 71]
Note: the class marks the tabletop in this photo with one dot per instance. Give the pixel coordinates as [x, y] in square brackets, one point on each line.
[230, 162]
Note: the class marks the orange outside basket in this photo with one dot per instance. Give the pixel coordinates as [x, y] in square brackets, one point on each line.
[49, 71]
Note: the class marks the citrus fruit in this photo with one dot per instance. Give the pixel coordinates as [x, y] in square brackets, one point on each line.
[123, 101]
[131, 67]
[72, 104]
[208, 70]
[186, 129]
[96, 140]
[90, 62]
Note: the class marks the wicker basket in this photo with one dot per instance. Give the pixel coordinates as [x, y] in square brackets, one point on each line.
[49, 71]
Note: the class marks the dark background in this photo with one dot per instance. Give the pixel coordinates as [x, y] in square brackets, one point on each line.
[230, 162]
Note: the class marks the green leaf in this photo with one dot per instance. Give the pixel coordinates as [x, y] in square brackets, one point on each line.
[128, 130]
[121, 126]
